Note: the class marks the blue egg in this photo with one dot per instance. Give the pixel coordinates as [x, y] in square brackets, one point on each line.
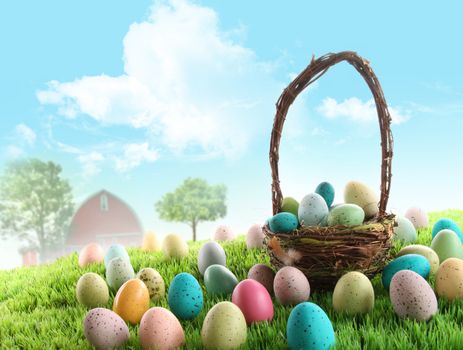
[414, 262]
[283, 222]
[446, 224]
[326, 190]
[115, 251]
[309, 327]
[185, 296]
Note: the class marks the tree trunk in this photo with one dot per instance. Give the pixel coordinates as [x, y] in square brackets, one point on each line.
[193, 227]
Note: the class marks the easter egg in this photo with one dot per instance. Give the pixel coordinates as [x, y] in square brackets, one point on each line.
[358, 193]
[346, 215]
[255, 237]
[118, 272]
[151, 242]
[174, 247]
[326, 190]
[446, 224]
[283, 223]
[153, 281]
[418, 217]
[160, 329]
[105, 329]
[185, 296]
[446, 244]
[219, 280]
[449, 279]
[312, 210]
[224, 233]
[423, 250]
[90, 254]
[353, 294]
[412, 297]
[404, 231]
[290, 286]
[209, 254]
[289, 205]
[413, 262]
[253, 300]
[91, 290]
[131, 301]
[224, 327]
[115, 251]
[264, 275]
[309, 327]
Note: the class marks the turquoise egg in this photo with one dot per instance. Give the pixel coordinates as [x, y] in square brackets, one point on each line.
[413, 262]
[309, 327]
[185, 296]
[115, 251]
[326, 190]
[446, 224]
[219, 280]
[283, 222]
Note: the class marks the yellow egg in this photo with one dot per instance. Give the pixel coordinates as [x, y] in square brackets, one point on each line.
[353, 294]
[360, 194]
[174, 246]
[449, 279]
[131, 301]
[151, 242]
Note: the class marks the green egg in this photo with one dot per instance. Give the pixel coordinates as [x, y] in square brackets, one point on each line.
[353, 294]
[92, 291]
[290, 205]
[447, 245]
[219, 280]
[346, 215]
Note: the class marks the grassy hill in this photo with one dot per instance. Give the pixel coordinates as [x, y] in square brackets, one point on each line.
[39, 310]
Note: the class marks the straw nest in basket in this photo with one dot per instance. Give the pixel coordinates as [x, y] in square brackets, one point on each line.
[325, 253]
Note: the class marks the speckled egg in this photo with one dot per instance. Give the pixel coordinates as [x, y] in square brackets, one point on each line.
[131, 301]
[91, 290]
[185, 296]
[255, 237]
[290, 286]
[219, 280]
[174, 247]
[447, 245]
[91, 254]
[413, 262]
[224, 233]
[404, 231]
[253, 300]
[224, 327]
[264, 275]
[160, 329]
[326, 190]
[447, 224]
[418, 217]
[289, 205]
[115, 251]
[346, 215]
[154, 282]
[211, 253]
[151, 242]
[105, 329]
[412, 297]
[309, 327]
[353, 294]
[427, 252]
[449, 279]
[283, 223]
[312, 210]
[358, 193]
[118, 272]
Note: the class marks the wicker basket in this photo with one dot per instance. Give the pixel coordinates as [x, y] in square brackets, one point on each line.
[324, 254]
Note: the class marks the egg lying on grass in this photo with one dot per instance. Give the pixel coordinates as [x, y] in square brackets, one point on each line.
[105, 329]
[224, 233]
[219, 280]
[446, 224]
[425, 251]
[91, 290]
[255, 237]
[209, 254]
[290, 286]
[115, 251]
[151, 242]
[153, 281]
[353, 294]
[404, 231]
[174, 247]
[118, 272]
[253, 300]
[91, 254]
[446, 244]
[185, 296]
[413, 262]
[449, 279]
[264, 275]
[131, 301]
[418, 217]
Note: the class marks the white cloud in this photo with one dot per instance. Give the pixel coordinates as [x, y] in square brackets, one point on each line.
[13, 151]
[90, 163]
[134, 155]
[26, 134]
[354, 109]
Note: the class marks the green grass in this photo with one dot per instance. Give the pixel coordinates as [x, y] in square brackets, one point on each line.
[38, 308]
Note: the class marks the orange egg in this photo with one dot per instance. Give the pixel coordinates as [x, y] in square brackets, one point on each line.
[91, 253]
[151, 242]
[131, 301]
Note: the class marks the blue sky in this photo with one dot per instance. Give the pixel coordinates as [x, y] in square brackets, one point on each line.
[135, 96]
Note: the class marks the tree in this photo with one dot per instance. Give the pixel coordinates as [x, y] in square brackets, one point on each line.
[36, 203]
[194, 201]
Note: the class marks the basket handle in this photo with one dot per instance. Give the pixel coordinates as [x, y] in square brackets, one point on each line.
[315, 70]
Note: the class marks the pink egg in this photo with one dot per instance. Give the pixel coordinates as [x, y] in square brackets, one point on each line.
[223, 233]
[105, 329]
[290, 286]
[418, 217]
[160, 329]
[253, 300]
[91, 253]
[255, 237]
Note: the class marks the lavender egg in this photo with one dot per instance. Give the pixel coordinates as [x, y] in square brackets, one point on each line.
[105, 329]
